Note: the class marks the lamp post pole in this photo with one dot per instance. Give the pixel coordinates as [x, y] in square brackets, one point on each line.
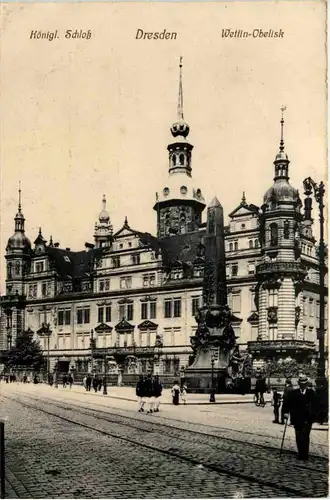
[92, 349]
[319, 191]
[105, 391]
[212, 391]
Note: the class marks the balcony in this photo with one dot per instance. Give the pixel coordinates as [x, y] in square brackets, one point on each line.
[12, 300]
[281, 267]
[289, 346]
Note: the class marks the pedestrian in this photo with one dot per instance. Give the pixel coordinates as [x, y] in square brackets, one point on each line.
[276, 402]
[183, 393]
[149, 390]
[95, 383]
[287, 389]
[176, 393]
[24, 379]
[261, 387]
[302, 406]
[88, 383]
[141, 393]
[99, 383]
[158, 389]
[85, 382]
[70, 380]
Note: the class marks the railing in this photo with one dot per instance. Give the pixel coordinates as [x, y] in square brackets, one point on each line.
[281, 344]
[273, 267]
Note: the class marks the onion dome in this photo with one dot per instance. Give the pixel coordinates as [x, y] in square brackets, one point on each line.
[281, 191]
[19, 241]
[104, 214]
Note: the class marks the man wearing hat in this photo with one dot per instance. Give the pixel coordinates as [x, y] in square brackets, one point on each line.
[302, 406]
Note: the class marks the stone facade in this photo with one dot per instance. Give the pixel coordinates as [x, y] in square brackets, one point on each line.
[134, 296]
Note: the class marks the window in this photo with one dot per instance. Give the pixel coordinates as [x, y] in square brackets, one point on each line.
[44, 289]
[39, 267]
[136, 258]
[126, 311]
[121, 246]
[60, 318]
[149, 280]
[181, 159]
[148, 310]
[273, 234]
[311, 307]
[195, 301]
[100, 314]
[304, 306]
[32, 291]
[317, 308]
[83, 316]
[250, 243]
[236, 302]
[116, 261]
[272, 298]
[272, 332]
[234, 269]
[126, 282]
[168, 308]
[108, 314]
[177, 308]
[104, 285]
[251, 268]
[253, 305]
[144, 310]
[236, 245]
[304, 332]
[256, 243]
[230, 247]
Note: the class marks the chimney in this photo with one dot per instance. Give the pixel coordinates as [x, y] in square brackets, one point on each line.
[68, 249]
[56, 245]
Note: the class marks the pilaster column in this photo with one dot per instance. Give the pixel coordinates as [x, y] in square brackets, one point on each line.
[263, 324]
[286, 310]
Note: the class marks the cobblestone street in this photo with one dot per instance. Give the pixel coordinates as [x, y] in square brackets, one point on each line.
[63, 443]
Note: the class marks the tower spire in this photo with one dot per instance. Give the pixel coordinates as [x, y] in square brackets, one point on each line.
[19, 197]
[180, 97]
[283, 108]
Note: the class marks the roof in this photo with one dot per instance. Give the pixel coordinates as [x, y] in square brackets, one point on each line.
[182, 248]
[244, 208]
[77, 265]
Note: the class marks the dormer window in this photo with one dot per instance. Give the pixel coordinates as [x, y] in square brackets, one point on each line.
[40, 267]
[181, 159]
[273, 234]
[136, 258]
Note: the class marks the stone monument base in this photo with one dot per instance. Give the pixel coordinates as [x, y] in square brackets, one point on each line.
[199, 380]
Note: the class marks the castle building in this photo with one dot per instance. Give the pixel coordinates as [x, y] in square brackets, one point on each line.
[133, 296]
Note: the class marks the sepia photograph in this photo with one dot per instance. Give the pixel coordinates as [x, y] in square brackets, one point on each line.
[163, 250]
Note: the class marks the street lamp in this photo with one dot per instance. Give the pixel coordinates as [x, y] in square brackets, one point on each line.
[212, 391]
[92, 348]
[105, 391]
[311, 187]
[45, 329]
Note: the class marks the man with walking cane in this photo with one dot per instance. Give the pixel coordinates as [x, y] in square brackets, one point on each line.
[302, 406]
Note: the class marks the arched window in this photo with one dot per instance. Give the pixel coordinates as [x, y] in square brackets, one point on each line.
[236, 245]
[256, 243]
[286, 229]
[230, 247]
[174, 160]
[181, 158]
[273, 234]
[251, 244]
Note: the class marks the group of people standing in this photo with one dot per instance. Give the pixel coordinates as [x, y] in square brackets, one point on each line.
[179, 392]
[94, 381]
[149, 390]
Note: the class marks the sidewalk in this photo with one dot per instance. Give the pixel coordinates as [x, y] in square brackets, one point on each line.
[128, 394]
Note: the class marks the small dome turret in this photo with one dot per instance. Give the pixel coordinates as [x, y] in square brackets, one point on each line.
[104, 214]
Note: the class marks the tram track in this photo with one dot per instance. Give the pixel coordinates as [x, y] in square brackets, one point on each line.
[208, 460]
[153, 424]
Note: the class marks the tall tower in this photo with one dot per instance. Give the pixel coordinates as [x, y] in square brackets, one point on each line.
[18, 257]
[103, 229]
[179, 206]
[280, 274]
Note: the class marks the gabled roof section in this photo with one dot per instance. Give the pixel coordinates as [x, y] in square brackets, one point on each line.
[124, 326]
[103, 328]
[244, 208]
[147, 325]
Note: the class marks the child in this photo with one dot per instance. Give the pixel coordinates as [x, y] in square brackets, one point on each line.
[277, 397]
[175, 393]
[183, 393]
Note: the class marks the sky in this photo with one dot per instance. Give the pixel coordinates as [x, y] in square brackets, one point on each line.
[82, 118]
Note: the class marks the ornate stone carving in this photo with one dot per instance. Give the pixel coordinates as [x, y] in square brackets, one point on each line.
[297, 314]
[272, 314]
